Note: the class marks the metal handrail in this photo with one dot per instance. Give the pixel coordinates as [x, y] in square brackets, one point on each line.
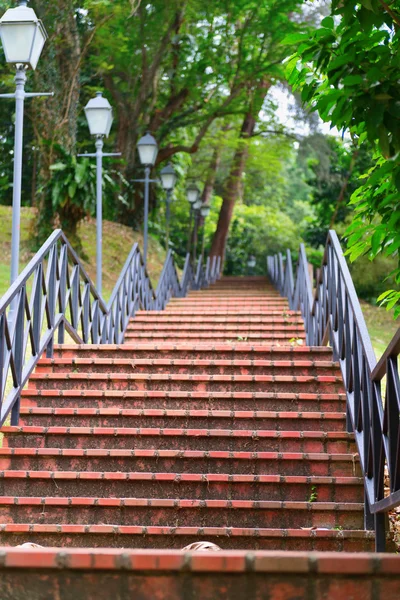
[54, 295]
[334, 316]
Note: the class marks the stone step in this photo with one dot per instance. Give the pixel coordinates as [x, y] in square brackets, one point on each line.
[186, 366]
[241, 319]
[192, 351]
[182, 461]
[217, 328]
[192, 419]
[332, 442]
[203, 486]
[147, 574]
[190, 512]
[235, 337]
[109, 536]
[288, 401]
[182, 382]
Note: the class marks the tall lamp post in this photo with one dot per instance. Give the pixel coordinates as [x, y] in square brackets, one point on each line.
[168, 180]
[204, 212]
[251, 263]
[148, 150]
[196, 207]
[23, 37]
[99, 116]
[193, 194]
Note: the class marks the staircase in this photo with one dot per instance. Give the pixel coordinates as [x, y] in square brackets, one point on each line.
[213, 421]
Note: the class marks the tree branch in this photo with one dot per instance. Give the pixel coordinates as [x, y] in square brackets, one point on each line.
[390, 12]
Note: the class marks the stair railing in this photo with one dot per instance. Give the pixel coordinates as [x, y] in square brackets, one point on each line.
[54, 296]
[334, 316]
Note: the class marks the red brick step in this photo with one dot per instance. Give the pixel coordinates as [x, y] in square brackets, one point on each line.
[111, 536]
[181, 439]
[223, 419]
[181, 513]
[185, 400]
[179, 461]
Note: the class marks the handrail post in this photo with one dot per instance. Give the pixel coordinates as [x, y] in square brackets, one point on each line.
[51, 298]
[18, 353]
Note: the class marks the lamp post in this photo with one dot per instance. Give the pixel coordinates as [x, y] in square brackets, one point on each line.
[148, 150]
[193, 194]
[196, 207]
[168, 181]
[23, 37]
[98, 113]
[204, 212]
[251, 263]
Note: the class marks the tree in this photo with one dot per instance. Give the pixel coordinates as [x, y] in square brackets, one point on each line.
[347, 70]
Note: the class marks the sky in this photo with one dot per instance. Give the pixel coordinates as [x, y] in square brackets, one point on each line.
[284, 99]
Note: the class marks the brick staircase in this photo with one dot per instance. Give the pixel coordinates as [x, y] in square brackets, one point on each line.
[212, 422]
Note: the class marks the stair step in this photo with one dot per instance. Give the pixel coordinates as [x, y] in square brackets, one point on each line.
[280, 337]
[184, 461]
[111, 536]
[333, 442]
[185, 366]
[244, 319]
[203, 486]
[196, 419]
[193, 351]
[180, 513]
[303, 402]
[227, 312]
[217, 328]
[182, 382]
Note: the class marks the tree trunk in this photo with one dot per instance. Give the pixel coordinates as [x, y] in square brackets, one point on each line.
[54, 119]
[234, 181]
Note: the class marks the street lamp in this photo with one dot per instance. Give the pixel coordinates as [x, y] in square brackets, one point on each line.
[23, 37]
[251, 263]
[193, 194]
[99, 116]
[148, 150]
[196, 207]
[168, 180]
[204, 212]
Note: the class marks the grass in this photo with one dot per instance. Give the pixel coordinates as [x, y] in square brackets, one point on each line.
[381, 326]
[117, 243]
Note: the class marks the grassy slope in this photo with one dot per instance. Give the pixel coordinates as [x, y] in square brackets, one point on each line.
[117, 242]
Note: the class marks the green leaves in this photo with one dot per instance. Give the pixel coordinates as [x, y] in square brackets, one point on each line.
[348, 71]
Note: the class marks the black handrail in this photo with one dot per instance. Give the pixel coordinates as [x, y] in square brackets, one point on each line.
[54, 294]
[334, 316]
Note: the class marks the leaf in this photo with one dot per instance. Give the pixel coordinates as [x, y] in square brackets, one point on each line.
[328, 22]
[384, 140]
[58, 167]
[351, 80]
[294, 38]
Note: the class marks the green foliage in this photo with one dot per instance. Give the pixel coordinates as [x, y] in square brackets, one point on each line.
[258, 231]
[347, 70]
[72, 189]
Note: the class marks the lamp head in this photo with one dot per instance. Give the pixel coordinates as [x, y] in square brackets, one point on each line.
[148, 150]
[193, 193]
[168, 178]
[99, 116]
[22, 35]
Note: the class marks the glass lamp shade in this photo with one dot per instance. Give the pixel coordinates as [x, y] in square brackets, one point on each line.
[148, 150]
[98, 113]
[205, 211]
[168, 177]
[22, 35]
[251, 262]
[197, 205]
[193, 193]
